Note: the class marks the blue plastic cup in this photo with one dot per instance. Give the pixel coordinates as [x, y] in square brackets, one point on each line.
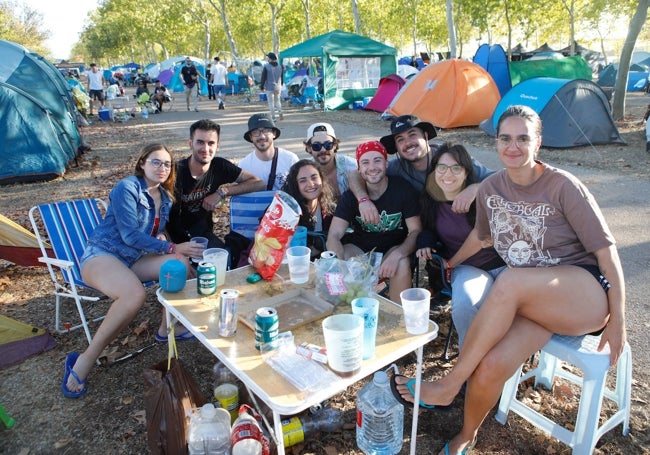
[368, 309]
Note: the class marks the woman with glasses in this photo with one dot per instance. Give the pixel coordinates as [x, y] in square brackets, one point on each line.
[126, 249]
[444, 231]
[564, 275]
[306, 184]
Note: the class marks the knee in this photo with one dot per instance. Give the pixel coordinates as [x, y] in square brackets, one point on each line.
[491, 371]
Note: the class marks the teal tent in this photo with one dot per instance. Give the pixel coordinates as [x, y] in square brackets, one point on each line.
[38, 129]
[351, 65]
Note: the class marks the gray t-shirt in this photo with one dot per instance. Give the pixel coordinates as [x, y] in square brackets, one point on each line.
[553, 221]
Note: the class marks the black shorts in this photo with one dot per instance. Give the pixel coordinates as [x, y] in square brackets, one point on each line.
[595, 272]
[97, 95]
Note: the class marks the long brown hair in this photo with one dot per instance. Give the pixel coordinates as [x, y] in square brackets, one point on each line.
[326, 198]
[168, 185]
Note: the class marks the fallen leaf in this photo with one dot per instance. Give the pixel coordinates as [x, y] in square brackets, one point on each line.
[329, 450]
[140, 417]
[127, 400]
[62, 443]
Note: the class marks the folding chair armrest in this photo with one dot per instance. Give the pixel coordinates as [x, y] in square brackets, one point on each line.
[62, 264]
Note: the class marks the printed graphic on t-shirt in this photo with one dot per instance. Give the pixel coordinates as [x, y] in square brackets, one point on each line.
[193, 201]
[518, 230]
[387, 222]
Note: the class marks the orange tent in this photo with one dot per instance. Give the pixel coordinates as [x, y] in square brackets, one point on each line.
[448, 94]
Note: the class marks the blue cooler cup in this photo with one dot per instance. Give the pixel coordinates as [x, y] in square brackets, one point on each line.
[299, 237]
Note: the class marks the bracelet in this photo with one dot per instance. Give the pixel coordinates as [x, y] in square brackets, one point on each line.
[363, 199]
[223, 192]
[171, 249]
[448, 272]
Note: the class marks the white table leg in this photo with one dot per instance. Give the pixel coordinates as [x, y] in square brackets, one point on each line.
[416, 404]
[277, 425]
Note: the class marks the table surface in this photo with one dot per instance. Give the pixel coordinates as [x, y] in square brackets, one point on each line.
[199, 315]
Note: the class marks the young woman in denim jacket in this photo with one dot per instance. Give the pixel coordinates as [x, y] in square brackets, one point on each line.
[127, 248]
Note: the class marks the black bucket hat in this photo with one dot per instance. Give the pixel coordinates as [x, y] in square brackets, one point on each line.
[260, 121]
[405, 123]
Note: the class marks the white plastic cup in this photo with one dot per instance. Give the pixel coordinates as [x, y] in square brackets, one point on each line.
[203, 241]
[416, 303]
[298, 259]
[219, 258]
[368, 309]
[343, 335]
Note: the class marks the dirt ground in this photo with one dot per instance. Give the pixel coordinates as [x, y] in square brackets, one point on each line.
[111, 417]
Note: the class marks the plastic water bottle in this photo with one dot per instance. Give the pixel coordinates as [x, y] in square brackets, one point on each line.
[380, 418]
[145, 112]
[297, 429]
[246, 434]
[209, 431]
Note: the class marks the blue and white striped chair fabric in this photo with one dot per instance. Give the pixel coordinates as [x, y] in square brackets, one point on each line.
[246, 211]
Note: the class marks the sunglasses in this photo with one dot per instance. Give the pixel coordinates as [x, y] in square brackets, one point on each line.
[317, 146]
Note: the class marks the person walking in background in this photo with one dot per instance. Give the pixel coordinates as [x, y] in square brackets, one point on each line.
[444, 231]
[564, 274]
[219, 77]
[208, 78]
[126, 249]
[322, 145]
[203, 182]
[268, 162]
[271, 83]
[190, 78]
[96, 84]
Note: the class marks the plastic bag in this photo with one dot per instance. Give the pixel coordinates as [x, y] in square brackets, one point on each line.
[168, 395]
[339, 281]
[272, 237]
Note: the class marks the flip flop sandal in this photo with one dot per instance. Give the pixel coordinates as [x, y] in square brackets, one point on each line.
[70, 361]
[411, 386]
[184, 336]
[465, 451]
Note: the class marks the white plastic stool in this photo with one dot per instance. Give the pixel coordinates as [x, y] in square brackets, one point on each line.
[581, 352]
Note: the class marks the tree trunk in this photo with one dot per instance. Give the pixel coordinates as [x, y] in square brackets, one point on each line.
[357, 17]
[636, 24]
[451, 29]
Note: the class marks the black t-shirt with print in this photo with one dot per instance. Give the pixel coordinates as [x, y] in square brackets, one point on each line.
[399, 202]
[187, 214]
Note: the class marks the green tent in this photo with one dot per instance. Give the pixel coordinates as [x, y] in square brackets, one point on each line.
[352, 65]
[561, 68]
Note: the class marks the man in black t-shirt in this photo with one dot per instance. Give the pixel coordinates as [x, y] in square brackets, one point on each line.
[203, 181]
[399, 221]
[190, 78]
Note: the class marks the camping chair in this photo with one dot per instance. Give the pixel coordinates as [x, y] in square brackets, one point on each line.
[67, 226]
[246, 211]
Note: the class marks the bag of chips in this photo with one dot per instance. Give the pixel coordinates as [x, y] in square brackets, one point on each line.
[272, 237]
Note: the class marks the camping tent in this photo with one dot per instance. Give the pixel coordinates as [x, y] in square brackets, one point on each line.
[449, 94]
[18, 245]
[38, 129]
[19, 341]
[574, 112]
[389, 86]
[352, 65]
[406, 71]
[563, 68]
[636, 79]
[493, 59]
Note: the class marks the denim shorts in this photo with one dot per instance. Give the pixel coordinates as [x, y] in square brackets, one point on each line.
[93, 252]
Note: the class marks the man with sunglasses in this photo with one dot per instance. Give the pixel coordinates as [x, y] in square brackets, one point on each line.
[322, 145]
[409, 139]
[268, 162]
[203, 181]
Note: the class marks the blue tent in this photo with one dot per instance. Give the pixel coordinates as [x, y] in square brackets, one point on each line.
[494, 60]
[636, 79]
[574, 112]
[38, 129]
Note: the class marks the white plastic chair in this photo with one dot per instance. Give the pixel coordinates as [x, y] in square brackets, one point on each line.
[582, 353]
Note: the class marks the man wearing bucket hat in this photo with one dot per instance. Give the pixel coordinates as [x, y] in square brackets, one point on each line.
[268, 162]
[271, 83]
[409, 139]
[322, 145]
[395, 233]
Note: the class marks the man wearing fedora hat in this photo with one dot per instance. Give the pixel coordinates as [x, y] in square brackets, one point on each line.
[409, 139]
[271, 83]
[322, 145]
[395, 233]
[268, 162]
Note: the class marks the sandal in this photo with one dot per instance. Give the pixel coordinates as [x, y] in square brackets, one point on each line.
[183, 336]
[465, 451]
[70, 361]
[411, 386]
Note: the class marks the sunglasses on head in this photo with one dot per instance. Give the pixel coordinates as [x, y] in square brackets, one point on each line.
[317, 146]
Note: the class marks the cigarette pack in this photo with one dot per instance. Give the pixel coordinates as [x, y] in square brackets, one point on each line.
[312, 351]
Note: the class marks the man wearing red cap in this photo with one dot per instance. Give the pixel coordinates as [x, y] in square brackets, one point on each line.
[399, 223]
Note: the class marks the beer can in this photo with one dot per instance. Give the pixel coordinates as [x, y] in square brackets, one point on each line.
[206, 278]
[228, 312]
[266, 326]
[328, 255]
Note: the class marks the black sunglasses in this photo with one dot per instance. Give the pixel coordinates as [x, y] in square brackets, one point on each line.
[316, 146]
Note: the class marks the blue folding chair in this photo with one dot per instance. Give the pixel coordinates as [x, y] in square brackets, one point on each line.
[246, 211]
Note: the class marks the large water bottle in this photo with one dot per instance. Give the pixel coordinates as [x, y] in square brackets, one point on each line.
[209, 431]
[380, 418]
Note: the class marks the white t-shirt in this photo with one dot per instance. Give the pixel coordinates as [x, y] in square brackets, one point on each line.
[95, 80]
[262, 169]
[218, 74]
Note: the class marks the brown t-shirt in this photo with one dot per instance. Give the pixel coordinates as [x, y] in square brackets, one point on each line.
[553, 221]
